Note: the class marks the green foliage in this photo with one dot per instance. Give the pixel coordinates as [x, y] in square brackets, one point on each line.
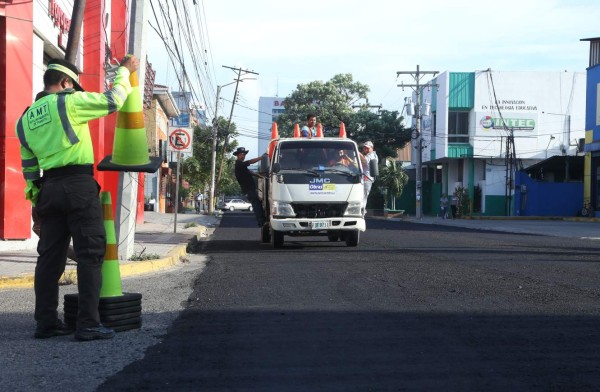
[331, 101]
[394, 178]
[196, 169]
[335, 101]
[462, 202]
[384, 129]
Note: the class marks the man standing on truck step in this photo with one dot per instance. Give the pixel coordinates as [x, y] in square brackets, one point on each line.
[367, 156]
[244, 178]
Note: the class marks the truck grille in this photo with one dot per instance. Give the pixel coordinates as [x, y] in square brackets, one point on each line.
[319, 210]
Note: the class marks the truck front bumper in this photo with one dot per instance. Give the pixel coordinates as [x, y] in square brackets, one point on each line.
[317, 225]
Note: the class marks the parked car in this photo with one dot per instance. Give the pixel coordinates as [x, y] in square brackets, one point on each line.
[236, 204]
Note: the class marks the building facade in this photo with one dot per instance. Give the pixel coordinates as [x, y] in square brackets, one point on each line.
[591, 190]
[269, 108]
[163, 108]
[484, 126]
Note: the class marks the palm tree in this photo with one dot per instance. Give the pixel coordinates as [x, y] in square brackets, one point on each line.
[393, 178]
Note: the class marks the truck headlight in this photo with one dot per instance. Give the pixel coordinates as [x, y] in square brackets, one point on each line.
[354, 209]
[279, 208]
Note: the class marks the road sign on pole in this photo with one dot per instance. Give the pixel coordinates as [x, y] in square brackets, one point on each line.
[180, 140]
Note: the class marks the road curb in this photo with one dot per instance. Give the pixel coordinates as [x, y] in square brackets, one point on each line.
[128, 269]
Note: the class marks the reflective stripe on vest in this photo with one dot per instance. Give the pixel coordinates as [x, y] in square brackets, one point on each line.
[21, 135]
[62, 113]
[29, 162]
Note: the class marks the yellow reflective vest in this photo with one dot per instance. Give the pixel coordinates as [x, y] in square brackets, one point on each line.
[54, 130]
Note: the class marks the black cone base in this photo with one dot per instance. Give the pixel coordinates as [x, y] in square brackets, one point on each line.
[120, 313]
[151, 167]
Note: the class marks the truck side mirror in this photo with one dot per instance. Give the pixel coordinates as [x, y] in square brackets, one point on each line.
[276, 167]
[374, 167]
[264, 165]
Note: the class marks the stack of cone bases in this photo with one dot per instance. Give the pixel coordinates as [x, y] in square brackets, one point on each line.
[130, 147]
[119, 311]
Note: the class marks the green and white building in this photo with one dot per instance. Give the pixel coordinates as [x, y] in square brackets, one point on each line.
[464, 137]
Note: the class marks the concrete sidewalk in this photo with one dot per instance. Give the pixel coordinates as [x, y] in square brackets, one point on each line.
[156, 247]
[585, 228]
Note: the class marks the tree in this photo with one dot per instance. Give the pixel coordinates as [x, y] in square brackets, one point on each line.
[334, 102]
[384, 129]
[331, 101]
[394, 178]
[197, 168]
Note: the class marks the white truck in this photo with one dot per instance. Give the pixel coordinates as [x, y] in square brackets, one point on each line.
[312, 187]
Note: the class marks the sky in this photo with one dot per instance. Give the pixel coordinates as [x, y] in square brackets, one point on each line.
[290, 43]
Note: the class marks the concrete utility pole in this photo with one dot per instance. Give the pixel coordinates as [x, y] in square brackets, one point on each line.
[213, 161]
[417, 135]
[240, 73]
[75, 32]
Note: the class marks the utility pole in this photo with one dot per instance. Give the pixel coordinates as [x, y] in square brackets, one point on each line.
[213, 161]
[240, 73]
[417, 135]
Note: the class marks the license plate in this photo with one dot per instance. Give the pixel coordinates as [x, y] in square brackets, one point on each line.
[320, 225]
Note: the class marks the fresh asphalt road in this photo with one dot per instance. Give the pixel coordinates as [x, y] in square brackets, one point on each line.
[413, 307]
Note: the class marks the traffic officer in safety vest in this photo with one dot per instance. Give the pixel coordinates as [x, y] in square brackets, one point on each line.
[55, 138]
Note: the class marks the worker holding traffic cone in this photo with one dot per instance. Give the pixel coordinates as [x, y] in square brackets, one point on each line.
[130, 146]
[55, 138]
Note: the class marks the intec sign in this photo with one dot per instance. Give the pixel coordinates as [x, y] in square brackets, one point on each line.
[517, 124]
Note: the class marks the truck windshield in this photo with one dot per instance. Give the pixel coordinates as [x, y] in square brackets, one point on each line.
[319, 155]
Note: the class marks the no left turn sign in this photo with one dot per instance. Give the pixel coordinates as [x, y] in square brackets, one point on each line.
[180, 140]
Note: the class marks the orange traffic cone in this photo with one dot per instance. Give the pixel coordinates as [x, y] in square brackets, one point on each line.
[130, 148]
[319, 130]
[274, 136]
[342, 130]
[111, 273]
[296, 130]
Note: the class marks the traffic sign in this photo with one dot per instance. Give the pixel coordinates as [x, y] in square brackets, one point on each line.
[180, 140]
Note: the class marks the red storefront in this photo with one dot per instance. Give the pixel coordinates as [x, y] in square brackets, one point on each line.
[32, 32]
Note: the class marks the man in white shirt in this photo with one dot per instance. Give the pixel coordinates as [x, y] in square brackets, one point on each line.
[366, 157]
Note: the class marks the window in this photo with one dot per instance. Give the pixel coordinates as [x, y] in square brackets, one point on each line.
[458, 127]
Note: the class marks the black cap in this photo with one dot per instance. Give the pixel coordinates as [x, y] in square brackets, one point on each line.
[68, 69]
[240, 150]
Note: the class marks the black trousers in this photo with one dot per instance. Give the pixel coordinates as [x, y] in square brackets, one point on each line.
[256, 206]
[68, 206]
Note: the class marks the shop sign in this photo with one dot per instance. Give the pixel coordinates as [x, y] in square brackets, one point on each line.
[61, 21]
[517, 124]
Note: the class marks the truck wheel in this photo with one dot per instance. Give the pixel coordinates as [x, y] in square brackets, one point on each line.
[265, 234]
[352, 238]
[277, 237]
[333, 236]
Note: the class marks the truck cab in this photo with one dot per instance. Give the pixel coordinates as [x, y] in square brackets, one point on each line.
[312, 187]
